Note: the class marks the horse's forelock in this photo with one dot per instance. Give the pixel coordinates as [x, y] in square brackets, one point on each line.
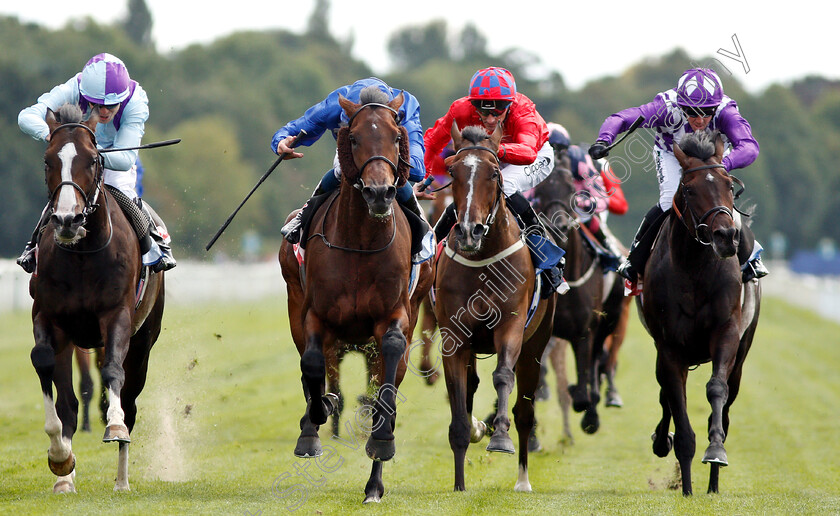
[373, 95]
[475, 134]
[699, 145]
[69, 114]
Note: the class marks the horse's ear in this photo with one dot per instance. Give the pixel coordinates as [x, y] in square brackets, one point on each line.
[681, 156]
[456, 135]
[397, 103]
[92, 120]
[348, 106]
[496, 137]
[719, 147]
[51, 120]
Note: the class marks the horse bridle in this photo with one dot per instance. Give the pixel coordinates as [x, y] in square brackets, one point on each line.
[90, 203]
[491, 217]
[713, 212]
[360, 183]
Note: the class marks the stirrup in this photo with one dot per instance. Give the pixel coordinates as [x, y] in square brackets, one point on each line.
[27, 259]
[291, 231]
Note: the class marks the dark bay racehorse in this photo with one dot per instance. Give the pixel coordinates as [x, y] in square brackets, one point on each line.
[356, 285]
[589, 312]
[695, 306]
[484, 286]
[84, 292]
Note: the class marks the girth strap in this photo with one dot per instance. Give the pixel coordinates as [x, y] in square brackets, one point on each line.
[139, 220]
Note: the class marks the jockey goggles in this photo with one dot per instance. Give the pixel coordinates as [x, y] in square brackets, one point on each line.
[496, 108]
[698, 112]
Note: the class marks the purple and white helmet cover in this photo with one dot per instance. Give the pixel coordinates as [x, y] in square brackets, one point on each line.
[699, 87]
[105, 80]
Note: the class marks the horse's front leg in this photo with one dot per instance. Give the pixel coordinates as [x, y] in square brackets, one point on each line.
[671, 375]
[380, 445]
[718, 393]
[455, 369]
[508, 344]
[59, 416]
[116, 335]
[313, 369]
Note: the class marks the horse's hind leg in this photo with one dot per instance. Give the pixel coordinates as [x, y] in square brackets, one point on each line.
[717, 392]
[117, 338]
[558, 362]
[527, 378]
[503, 380]
[85, 386]
[332, 362]
[428, 325]
[59, 416]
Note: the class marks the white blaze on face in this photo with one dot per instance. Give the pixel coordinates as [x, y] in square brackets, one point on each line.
[710, 178]
[67, 195]
[472, 162]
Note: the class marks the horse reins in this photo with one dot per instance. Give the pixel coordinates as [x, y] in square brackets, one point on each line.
[330, 245]
[90, 204]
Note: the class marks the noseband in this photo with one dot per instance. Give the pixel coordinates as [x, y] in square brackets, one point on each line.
[699, 224]
[360, 183]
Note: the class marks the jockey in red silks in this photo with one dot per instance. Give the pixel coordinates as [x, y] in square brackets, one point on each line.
[697, 103]
[525, 156]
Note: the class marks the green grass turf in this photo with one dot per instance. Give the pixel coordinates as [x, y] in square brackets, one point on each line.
[218, 421]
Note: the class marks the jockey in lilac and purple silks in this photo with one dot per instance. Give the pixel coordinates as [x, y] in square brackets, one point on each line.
[328, 115]
[104, 86]
[696, 104]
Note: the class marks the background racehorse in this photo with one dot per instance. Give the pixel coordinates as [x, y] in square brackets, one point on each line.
[484, 286]
[695, 306]
[589, 312]
[84, 291]
[356, 280]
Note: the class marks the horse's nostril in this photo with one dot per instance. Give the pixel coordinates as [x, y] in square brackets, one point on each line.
[459, 230]
[368, 194]
[478, 231]
[390, 193]
[78, 219]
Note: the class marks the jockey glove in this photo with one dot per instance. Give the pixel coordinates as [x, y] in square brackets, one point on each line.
[599, 149]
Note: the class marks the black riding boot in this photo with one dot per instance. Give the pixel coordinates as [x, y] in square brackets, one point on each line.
[445, 222]
[749, 269]
[291, 231]
[27, 257]
[642, 242]
[523, 209]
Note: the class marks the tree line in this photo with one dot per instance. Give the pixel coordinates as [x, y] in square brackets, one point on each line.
[227, 98]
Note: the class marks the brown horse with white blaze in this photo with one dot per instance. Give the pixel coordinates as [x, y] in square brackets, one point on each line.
[356, 276]
[484, 287]
[84, 292]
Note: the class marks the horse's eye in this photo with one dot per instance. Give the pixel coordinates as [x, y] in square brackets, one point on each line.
[352, 140]
[496, 173]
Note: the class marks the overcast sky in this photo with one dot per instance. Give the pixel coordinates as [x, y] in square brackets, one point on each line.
[780, 42]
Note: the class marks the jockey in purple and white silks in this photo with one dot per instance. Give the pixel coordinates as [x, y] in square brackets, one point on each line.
[328, 115]
[103, 85]
[696, 104]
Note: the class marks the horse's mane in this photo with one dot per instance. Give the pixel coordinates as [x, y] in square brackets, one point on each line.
[475, 134]
[373, 95]
[69, 114]
[700, 145]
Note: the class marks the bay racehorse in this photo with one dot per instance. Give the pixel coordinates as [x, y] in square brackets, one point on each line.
[484, 286]
[355, 285]
[694, 305]
[590, 311]
[85, 293]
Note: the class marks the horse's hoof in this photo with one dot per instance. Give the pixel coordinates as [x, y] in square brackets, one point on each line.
[116, 433]
[308, 447]
[669, 443]
[478, 430]
[372, 499]
[501, 443]
[522, 487]
[64, 486]
[614, 400]
[61, 469]
[379, 449]
[715, 455]
[590, 422]
[118, 488]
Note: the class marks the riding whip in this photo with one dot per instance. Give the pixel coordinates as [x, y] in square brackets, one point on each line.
[146, 146]
[280, 158]
[635, 125]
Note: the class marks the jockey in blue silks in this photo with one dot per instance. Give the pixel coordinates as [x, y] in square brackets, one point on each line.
[328, 115]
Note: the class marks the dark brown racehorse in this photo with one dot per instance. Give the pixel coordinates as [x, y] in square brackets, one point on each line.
[694, 304]
[484, 286]
[85, 294]
[589, 312]
[356, 285]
